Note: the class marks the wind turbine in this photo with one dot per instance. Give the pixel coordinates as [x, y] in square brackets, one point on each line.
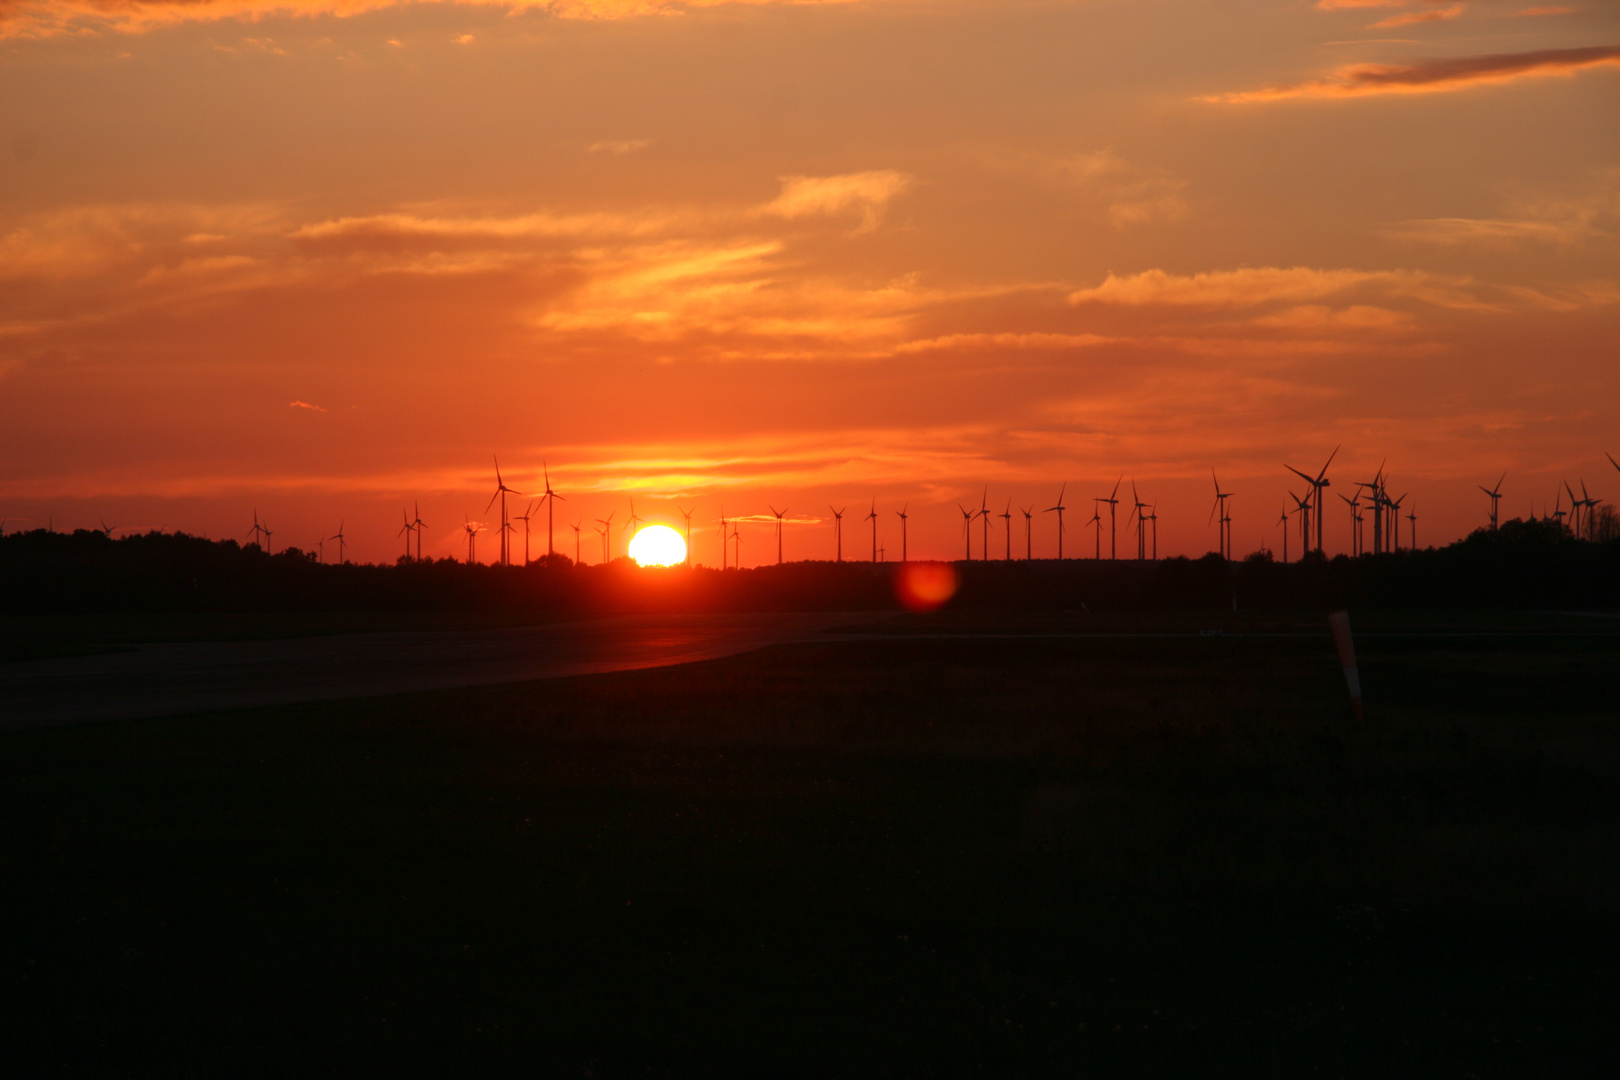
[501, 491]
[106, 529]
[575, 526]
[687, 514]
[1224, 533]
[1412, 517]
[1303, 508]
[967, 530]
[320, 551]
[1153, 516]
[268, 549]
[1375, 487]
[736, 539]
[1059, 508]
[1395, 519]
[551, 512]
[1113, 531]
[405, 530]
[873, 518]
[634, 520]
[1284, 522]
[1496, 497]
[1096, 519]
[258, 529]
[905, 554]
[1355, 521]
[607, 542]
[778, 514]
[472, 540]
[1613, 462]
[1141, 523]
[725, 541]
[1588, 514]
[338, 536]
[1029, 544]
[1317, 482]
[984, 523]
[524, 517]
[1559, 513]
[420, 525]
[1006, 519]
[1575, 506]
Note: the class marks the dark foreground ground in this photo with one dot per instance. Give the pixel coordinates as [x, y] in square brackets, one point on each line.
[1137, 856]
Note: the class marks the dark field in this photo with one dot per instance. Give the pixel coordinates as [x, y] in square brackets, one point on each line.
[1150, 856]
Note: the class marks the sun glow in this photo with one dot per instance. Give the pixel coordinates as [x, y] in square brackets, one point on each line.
[658, 545]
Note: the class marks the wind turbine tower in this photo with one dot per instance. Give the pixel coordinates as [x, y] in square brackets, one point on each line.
[1113, 529]
[778, 514]
[1496, 497]
[548, 496]
[905, 552]
[1059, 508]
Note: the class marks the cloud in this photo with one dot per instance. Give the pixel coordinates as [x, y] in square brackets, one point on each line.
[1551, 9]
[1432, 76]
[619, 147]
[870, 192]
[1410, 18]
[304, 405]
[1257, 286]
[1587, 213]
[46, 18]
[1134, 195]
[1006, 341]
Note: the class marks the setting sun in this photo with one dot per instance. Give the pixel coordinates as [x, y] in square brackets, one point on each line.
[658, 545]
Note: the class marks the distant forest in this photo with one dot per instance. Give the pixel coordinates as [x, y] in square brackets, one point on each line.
[1524, 564]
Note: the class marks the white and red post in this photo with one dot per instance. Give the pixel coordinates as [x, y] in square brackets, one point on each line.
[1340, 622]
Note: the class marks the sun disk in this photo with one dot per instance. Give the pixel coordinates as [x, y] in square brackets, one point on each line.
[658, 545]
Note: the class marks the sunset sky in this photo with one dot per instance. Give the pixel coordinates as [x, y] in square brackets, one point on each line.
[324, 258]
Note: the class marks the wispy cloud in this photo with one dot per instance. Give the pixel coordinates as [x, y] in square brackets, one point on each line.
[868, 192]
[1257, 286]
[1412, 18]
[618, 147]
[304, 405]
[1431, 76]
[43, 18]
[1563, 219]
[1134, 195]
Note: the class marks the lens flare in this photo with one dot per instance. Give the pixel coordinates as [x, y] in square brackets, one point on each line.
[658, 545]
[924, 586]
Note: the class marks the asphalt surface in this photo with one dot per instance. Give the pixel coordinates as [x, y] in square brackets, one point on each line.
[168, 679]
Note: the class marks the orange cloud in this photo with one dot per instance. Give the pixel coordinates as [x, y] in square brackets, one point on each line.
[1432, 76]
[1257, 286]
[1410, 18]
[870, 192]
[45, 18]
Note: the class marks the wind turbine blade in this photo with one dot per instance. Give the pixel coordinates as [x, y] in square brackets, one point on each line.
[1309, 479]
[1329, 461]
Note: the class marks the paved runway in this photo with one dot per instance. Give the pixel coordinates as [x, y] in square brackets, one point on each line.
[162, 680]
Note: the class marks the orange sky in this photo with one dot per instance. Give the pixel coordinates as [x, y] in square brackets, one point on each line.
[324, 258]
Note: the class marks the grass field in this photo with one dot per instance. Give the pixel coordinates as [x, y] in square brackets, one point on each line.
[900, 858]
